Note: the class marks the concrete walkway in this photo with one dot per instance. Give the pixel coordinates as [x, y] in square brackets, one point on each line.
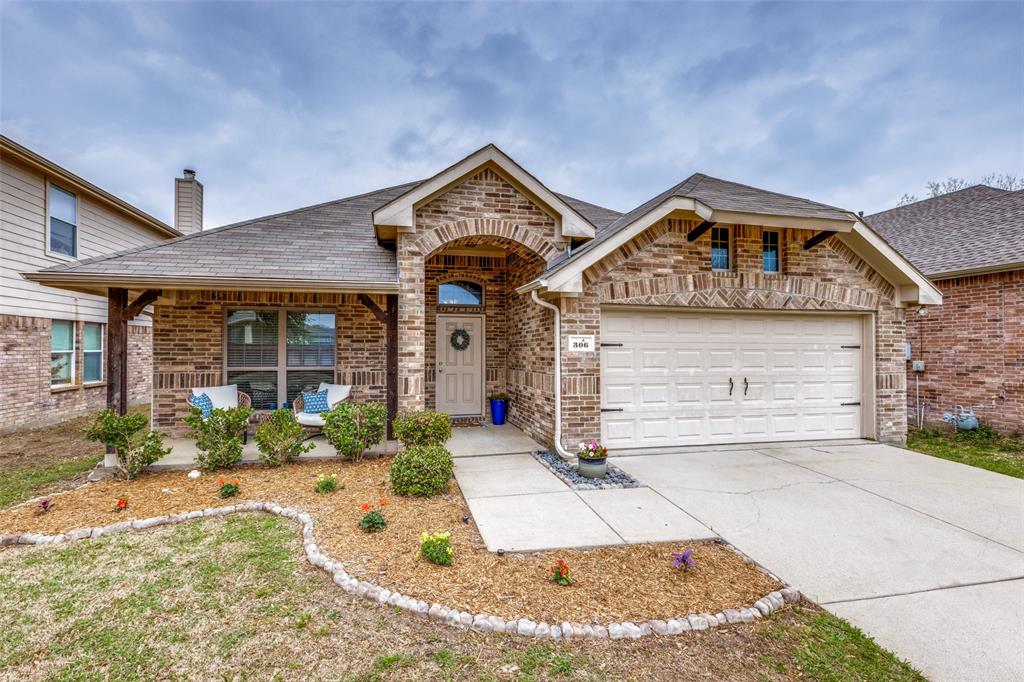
[519, 505]
[488, 439]
[925, 555]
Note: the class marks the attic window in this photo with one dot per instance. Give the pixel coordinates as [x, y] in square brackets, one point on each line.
[460, 293]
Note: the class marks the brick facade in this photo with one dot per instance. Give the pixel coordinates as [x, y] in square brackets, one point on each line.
[660, 267]
[26, 399]
[484, 208]
[188, 345]
[973, 349]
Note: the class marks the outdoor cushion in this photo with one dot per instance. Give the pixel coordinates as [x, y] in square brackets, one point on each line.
[314, 403]
[307, 419]
[203, 402]
[335, 393]
[221, 396]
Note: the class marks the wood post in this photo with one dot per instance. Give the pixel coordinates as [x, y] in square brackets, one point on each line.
[117, 351]
[392, 361]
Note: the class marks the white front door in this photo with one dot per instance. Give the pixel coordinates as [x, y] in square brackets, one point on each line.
[460, 373]
[671, 378]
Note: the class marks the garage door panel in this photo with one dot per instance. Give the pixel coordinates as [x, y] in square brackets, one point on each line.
[670, 377]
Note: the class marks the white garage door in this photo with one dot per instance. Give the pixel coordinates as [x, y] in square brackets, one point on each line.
[670, 378]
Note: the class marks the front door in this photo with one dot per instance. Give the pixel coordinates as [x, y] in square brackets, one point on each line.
[460, 372]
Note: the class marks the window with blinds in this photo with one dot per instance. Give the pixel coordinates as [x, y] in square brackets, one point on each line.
[274, 354]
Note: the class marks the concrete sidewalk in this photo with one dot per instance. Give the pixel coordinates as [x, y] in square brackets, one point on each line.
[519, 505]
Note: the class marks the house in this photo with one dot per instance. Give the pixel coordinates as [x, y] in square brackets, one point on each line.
[969, 350]
[712, 313]
[52, 340]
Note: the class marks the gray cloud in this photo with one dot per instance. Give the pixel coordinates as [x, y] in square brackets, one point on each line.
[284, 104]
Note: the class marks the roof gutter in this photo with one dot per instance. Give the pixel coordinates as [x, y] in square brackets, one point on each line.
[987, 270]
[78, 280]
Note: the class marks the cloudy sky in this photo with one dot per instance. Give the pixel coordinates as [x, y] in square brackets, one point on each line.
[283, 105]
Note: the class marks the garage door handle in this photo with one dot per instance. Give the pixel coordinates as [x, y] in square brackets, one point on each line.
[849, 346]
[745, 385]
[730, 385]
[611, 409]
[849, 404]
[611, 345]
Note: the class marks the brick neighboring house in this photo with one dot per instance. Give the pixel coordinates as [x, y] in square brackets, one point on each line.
[970, 244]
[713, 313]
[51, 340]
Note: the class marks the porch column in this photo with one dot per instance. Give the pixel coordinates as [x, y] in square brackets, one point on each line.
[391, 366]
[411, 327]
[117, 351]
[117, 359]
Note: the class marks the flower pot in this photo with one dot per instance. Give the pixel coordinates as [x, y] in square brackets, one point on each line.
[592, 468]
[498, 408]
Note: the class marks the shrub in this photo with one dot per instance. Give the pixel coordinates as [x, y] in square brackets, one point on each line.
[422, 470]
[279, 438]
[229, 488]
[436, 548]
[135, 448]
[353, 428]
[219, 436]
[326, 483]
[498, 396]
[423, 428]
[141, 453]
[560, 573]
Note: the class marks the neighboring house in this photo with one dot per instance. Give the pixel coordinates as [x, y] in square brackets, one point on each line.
[970, 244]
[713, 313]
[52, 340]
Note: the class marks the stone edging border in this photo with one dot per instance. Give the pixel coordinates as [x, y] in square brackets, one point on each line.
[480, 622]
[587, 483]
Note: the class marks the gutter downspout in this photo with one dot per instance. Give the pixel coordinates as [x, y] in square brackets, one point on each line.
[565, 454]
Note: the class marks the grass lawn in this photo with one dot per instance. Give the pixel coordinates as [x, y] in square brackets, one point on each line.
[230, 598]
[985, 448]
[34, 462]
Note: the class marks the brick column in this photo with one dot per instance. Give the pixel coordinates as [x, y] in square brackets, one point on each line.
[581, 372]
[411, 325]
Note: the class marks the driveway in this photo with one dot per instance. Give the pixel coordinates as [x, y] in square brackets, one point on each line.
[925, 555]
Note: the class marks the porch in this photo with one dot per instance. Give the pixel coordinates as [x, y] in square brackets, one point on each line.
[470, 441]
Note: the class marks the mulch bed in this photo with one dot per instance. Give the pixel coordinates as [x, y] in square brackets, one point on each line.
[635, 582]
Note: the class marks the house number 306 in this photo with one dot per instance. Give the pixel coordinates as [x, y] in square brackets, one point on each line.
[581, 344]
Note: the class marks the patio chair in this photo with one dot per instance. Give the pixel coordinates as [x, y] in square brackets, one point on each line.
[313, 423]
[222, 397]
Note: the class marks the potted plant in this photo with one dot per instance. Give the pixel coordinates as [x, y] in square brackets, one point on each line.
[499, 405]
[592, 459]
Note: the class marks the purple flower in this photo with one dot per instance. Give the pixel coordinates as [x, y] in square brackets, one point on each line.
[45, 504]
[683, 560]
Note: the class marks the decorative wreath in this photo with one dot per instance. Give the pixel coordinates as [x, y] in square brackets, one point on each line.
[460, 339]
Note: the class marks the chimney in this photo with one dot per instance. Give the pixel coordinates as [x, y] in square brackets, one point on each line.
[188, 203]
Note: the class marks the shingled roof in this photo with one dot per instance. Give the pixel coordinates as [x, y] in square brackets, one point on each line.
[974, 229]
[331, 242]
[716, 194]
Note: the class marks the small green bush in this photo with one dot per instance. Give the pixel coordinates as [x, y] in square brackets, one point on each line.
[326, 483]
[373, 521]
[352, 428]
[436, 549]
[422, 470]
[135, 449]
[219, 436]
[280, 438]
[423, 428]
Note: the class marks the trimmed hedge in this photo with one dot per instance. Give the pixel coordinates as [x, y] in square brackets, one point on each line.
[423, 428]
[422, 471]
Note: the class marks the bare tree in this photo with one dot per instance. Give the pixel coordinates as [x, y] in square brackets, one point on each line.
[1011, 183]
[936, 188]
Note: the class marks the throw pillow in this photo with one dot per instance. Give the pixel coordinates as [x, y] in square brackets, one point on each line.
[315, 403]
[205, 405]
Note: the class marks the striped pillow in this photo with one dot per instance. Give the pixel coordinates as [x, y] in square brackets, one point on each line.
[315, 402]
